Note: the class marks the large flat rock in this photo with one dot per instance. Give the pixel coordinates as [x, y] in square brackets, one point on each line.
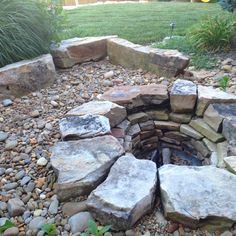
[78, 50]
[87, 126]
[209, 95]
[163, 62]
[27, 76]
[82, 165]
[137, 96]
[183, 96]
[127, 194]
[115, 113]
[205, 198]
[216, 113]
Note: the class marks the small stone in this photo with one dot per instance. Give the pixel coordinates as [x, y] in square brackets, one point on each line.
[25, 180]
[15, 207]
[37, 212]
[42, 161]
[2, 171]
[107, 83]
[54, 104]
[109, 74]
[35, 114]
[71, 208]
[3, 136]
[7, 102]
[79, 221]
[3, 206]
[20, 174]
[10, 144]
[13, 231]
[36, 223]
[10, 186]
[53, 208]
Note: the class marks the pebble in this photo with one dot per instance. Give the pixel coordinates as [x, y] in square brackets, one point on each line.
[25, 180]
[3, 136]
[35, 114]
[42, 161]
[7, 102]
[54, 104]
[36, 223]
[3, 206]
[2, 171]
[37, 212]
[109, 74]
[53, 208]
[19, 175]
[10, 186]
[15, 207]
[13, 231]
[10, 144]
[79, 221]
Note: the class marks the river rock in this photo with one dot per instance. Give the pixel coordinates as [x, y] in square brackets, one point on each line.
[23, 77]
[183, 96]
[82, 165]
[119, 200]
[13, 231]
[87, 126]
[205, 198]
[37, 223]
[209, 95]
[15, 207]
[137, 96]
[112, 111]
[78, 50]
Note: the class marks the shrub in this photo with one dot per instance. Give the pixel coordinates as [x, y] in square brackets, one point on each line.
[26, 28]
[213, 33]
[228, 5]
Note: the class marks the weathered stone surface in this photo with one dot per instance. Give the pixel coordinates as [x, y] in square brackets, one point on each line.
[112, 111]
[23, 77]
[134, 130]
[137, 96]
[200, 147]
[15, 207]
[87, 126]
[167, 125]
[162, 62]
[209, 95]
[210, 145]
[205, 198]
[229, 129]
[77, 50]
[147, 126]
[230, 163]
[202, 127]
[215, 114]
[221, 149]
[186, 129]
[158, 114]
[82, 165]
[183, 96]
[137, 117]
[121, 200]
[176, 135]
[180, 118]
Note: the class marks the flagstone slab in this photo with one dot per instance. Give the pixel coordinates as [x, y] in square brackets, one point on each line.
[127, 194]
[82, 165]
[198, 196]
[115, 113]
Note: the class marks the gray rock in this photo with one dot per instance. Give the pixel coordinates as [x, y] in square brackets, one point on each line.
[10, 144]
[10, 186]
[7, 102]
[198, 196]
[120, 200]
[166, 154]
[230, 163]
[183, 96]
[13, 231]
[20, 174]
[25, 180]
[53, 208]
[71, 208]
[93, 157]
[79, 221]
[16, 81]
[2, 171]
[112, 111]
[15, 207]
[229, 129]
[36, 223]
[3, 136]
[42, 161]
[87, 126]
[3, 206]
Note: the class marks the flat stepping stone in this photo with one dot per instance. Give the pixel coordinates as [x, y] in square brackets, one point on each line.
[82, 165]
[87, 126]
[115, 113]
[209, 95]
[78, 50]
[183, 96]
[127, 194]
[198, 196]
[137, 96]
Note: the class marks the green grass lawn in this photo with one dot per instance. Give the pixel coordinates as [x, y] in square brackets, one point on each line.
[139, 23]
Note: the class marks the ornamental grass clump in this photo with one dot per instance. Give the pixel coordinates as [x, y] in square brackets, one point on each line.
[27, 28]
[213, 34]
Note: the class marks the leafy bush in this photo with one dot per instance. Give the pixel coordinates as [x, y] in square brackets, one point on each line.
[213, 33]
[228, 5]
[27, 28]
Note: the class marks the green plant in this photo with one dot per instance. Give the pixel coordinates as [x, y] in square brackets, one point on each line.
[8, 224]
[213, 34]
[26, 28]
[93, 229]
[228, 5]
[224, 82]
[49, 229]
